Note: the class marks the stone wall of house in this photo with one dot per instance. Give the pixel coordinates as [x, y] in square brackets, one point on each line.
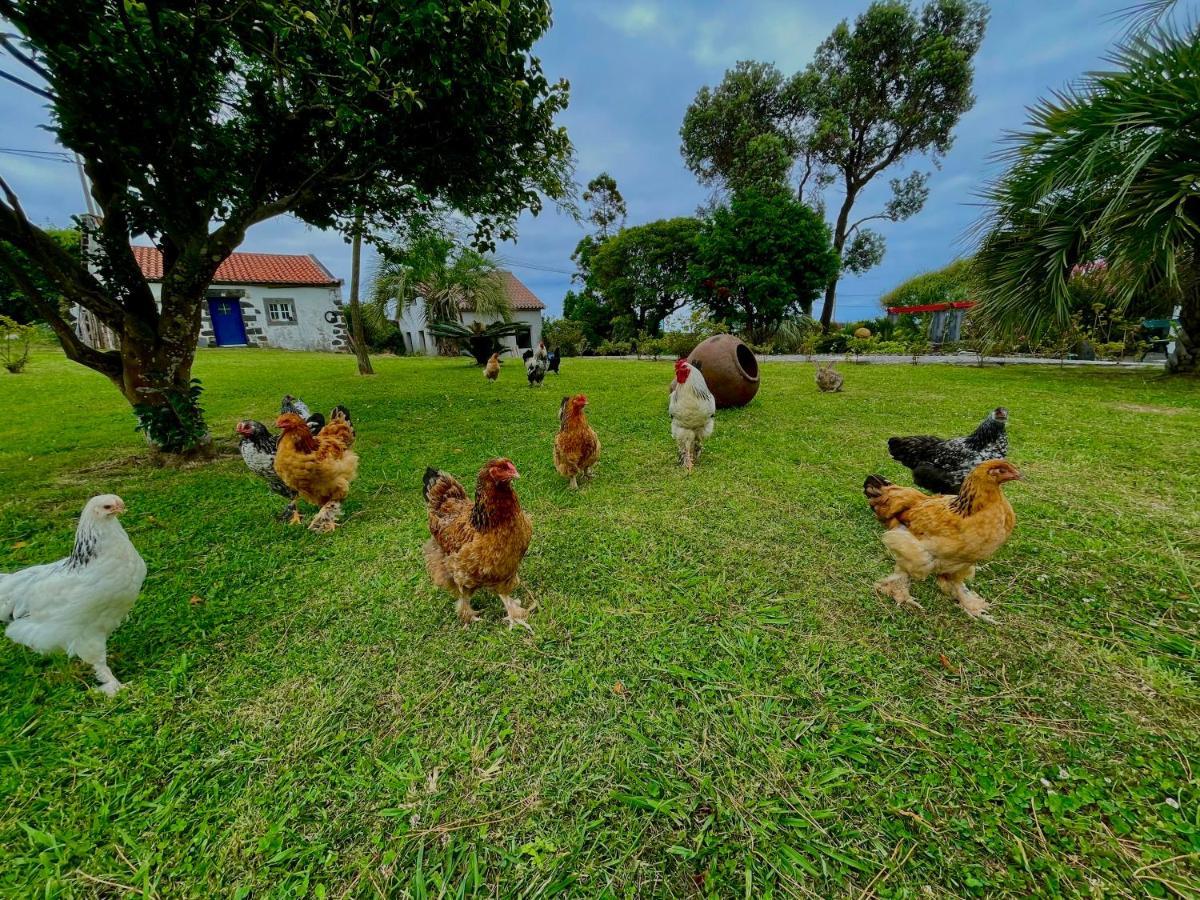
[319, 322]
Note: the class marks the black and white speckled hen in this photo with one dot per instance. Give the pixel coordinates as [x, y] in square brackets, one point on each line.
[258, 447]
[941, 465]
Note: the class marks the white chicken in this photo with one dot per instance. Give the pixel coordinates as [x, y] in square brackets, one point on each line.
[692, 409]
[76, 603]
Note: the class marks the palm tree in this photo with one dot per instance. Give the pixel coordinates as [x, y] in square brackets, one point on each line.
[448, 278]
[1108, 169]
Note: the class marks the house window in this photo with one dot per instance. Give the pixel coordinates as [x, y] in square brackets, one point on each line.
[281, 312]
[524, 340]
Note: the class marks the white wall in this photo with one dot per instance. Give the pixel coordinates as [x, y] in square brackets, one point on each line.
[417, 338]
[309, 331]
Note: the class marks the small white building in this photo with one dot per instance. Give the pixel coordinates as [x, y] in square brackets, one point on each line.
[265, 300]
[523, 305]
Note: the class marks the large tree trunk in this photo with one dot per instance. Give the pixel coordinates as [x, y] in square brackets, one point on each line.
[156, 374]
[839, 241]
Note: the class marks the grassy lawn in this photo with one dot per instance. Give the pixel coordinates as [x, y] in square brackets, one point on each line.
[713, 701]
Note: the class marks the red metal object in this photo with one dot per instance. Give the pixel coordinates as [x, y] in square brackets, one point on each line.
[931, 307]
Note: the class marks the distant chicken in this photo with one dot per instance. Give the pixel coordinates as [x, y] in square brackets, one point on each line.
[692, 410]
[478, 544]
[318, 467]
[536, 363]
[829, 379]
[943, 535]
[576, 447]
[940, 466]
[492, 369]
[76, 603]
[257, 447]
[553, 361]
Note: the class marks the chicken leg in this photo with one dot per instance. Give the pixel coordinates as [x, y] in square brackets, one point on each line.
[896, 587]
[466, 613]
[97, 659]
[972, 604]
[326, 519]
[517, 614]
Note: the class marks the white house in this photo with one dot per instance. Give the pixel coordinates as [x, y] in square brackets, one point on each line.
[523, 304]
[265, 300]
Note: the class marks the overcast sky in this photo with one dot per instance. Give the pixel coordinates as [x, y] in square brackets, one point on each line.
[634, 66]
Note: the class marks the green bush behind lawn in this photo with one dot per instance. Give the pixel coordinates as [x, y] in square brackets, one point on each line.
[713, 701]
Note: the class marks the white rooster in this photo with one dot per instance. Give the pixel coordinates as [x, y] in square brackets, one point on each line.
[76, 603]
[692, 409]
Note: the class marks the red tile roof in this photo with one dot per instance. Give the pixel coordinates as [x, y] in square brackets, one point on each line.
[250, 268]
[519, 296]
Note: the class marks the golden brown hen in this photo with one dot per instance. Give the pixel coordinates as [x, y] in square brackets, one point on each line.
[576, 446]
[480, 544]
[943, 535]
[319, 468]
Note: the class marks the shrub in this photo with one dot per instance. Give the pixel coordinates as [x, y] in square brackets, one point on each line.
[833, 342]
[565, 335]
[614, 348]
[15, 339]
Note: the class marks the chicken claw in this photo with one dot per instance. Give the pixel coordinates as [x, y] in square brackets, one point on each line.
[517, 614]
[896, 587]
[325, 521]
[975, 606]
[466, 613]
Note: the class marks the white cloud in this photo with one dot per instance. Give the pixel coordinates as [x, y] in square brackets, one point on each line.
[634, 19]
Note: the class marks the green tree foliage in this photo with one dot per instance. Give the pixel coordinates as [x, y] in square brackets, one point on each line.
[261, 108]
[606, 205]
[14, 301]
[564, 335]
[1106, 170]
[643, 273]
[949, 284]
[891, 86]
[762, 259]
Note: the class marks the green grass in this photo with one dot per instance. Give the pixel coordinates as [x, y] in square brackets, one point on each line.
[713, 702]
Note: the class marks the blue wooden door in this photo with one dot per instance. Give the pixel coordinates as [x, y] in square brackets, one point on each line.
[228, 328]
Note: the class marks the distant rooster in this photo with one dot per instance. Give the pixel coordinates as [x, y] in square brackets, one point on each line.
[76, 603]
[492, 369]
[940, 466]
[576, 446]
[480, 544]
[692, 410]
[536, 364]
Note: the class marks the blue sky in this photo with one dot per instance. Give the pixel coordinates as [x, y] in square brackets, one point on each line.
[634, 66]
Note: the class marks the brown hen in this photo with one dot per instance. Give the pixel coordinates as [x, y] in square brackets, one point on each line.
[318, 468]
[576, 446]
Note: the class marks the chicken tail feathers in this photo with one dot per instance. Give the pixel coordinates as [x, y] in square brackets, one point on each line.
[431, 476]
[440, 487]
[911, 451]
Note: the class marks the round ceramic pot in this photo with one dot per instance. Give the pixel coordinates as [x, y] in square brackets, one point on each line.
[729, 369]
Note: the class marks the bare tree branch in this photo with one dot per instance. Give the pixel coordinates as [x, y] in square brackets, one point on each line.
[25, 84]
[6, 42]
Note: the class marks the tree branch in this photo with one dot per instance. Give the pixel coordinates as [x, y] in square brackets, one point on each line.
[106, 362]
[27, 85]
[23, 58]
[865, 219]
[71, 276]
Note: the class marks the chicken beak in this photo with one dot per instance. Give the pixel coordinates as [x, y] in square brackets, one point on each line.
[120, 507]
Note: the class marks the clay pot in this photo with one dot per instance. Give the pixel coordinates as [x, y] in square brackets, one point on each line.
[729, 369]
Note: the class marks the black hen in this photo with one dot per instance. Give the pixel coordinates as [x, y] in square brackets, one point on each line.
[553, 362]
[941, 465]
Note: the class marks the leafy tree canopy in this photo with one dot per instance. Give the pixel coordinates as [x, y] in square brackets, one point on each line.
[762, 259]
[948, 284]
[643, 273]
[606, 205]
